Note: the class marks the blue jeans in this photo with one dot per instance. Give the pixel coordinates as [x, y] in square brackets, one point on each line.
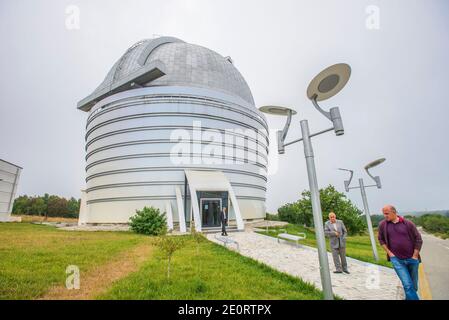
[407, 271]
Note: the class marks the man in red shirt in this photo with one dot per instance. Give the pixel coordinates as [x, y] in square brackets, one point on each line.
[402, 242]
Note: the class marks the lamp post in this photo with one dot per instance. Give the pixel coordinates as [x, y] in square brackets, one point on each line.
[365, 200]
[325, 85]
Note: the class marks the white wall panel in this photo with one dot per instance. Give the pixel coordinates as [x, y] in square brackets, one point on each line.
[114, 193]
[9, 179]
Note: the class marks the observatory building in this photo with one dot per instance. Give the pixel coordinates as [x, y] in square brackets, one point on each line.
[174, 126]
[9, 181]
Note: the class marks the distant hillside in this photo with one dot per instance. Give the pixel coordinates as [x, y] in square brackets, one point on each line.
[377, 218]
[420, 213]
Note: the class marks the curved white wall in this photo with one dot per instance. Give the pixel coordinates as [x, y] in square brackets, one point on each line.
[129, 144]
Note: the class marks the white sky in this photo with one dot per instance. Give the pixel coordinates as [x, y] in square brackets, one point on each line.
[395, 104]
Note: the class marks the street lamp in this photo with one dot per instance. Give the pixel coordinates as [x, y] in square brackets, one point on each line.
[365, 200]
[324, 86]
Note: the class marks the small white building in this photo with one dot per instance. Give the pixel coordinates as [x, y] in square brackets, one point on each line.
[173, 125]
[9, 180]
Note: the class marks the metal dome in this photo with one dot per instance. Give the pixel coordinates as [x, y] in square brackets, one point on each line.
[168, 61]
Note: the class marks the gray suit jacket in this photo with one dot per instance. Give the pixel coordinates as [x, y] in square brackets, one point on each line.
[329, 231]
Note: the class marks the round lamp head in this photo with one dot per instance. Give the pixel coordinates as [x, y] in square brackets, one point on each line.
[374, 163]
[329, 82]
[277, 110]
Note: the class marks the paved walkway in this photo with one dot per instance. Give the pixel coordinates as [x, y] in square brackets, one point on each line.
[435, 258]
[366, 281]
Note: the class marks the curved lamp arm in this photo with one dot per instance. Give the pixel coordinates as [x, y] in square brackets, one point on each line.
[347, 182]
[317, 106]
[282, 134]
[373, 164]
[375, 178]
[287, 125]
[333, 115]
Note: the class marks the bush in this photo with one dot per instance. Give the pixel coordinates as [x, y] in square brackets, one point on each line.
[300, 212]
[271, 217]
[296, 213]
[149, 221]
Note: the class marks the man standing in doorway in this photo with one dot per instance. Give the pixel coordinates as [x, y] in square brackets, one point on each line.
[224, 221]
[336, 231]
[402, 241]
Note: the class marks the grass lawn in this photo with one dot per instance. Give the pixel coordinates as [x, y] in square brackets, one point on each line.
[213, 273]
[33, 259]
[357, 247]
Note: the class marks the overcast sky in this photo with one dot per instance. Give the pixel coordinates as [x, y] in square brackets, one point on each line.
[395, 104]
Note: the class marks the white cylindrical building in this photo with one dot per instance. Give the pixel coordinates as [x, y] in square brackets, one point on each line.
[174, 126]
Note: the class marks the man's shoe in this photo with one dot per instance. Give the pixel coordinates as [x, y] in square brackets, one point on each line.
[346, 271]
[338, 271]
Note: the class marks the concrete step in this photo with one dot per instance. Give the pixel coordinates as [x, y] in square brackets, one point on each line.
[218, 229]
[230, 228]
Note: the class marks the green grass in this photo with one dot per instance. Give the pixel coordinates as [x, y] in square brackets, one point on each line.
[357, 247]
[214, 273]
[34, 257]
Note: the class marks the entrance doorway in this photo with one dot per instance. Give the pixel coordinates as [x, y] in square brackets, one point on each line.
[210, 212]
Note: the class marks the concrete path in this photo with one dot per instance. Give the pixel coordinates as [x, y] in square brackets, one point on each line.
[435, 261]
[366, 281]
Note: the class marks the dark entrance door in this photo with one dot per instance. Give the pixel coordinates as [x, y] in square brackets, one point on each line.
[210, 212]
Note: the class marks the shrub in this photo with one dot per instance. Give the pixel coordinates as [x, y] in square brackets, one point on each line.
[296, 213]
[272, 217]
[149, 221]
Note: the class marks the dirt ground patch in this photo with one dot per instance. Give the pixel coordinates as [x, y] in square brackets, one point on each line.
[101, 278]
[28, 218]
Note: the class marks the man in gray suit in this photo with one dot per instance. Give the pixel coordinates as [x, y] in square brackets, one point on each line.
[336, 231]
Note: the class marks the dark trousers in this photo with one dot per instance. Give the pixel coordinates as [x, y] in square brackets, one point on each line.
[223, 228]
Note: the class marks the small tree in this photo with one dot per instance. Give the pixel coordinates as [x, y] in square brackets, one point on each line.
[197, 236]
[149, 221]
[169, 245]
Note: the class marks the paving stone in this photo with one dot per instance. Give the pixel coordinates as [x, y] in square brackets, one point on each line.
[303, 262]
